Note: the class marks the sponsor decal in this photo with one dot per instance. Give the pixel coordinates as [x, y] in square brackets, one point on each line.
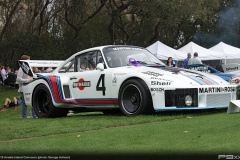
[26, 68]
[127, 48]
[231, 68]
[44, 63]
[81, 84]
[27, 94]
[161, 79]
[201, 69]
[114, 79]
[160, 83]
[235, 81]
[119, 74]
[157, 89]
[216, 89]
[152, 73]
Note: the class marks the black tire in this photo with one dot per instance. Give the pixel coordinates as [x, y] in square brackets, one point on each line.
[43, 106]
[134, 98]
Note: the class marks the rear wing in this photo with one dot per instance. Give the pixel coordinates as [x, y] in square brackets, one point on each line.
[27, 65]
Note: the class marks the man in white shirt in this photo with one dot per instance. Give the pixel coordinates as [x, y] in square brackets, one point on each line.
[21, 79]
[195, 59]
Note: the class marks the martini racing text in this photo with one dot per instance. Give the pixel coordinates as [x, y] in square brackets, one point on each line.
[216, 89]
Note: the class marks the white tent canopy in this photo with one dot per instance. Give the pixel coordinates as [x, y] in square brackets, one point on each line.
[230, 51]
[162, 51]
[225, 48]
[203, 53]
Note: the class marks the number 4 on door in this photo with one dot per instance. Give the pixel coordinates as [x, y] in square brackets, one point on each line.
[103, 88]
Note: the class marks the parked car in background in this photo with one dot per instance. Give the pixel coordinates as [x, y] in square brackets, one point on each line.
[232, 78]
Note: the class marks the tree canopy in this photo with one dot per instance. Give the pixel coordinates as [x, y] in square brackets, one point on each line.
[56, 29]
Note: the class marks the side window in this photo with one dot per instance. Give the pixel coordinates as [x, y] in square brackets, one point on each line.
[68, 67]
[86, 61]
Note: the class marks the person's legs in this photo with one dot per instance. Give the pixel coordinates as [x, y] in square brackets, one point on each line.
[24, 106]
[33, 113]
[15, 103]
[7, 102]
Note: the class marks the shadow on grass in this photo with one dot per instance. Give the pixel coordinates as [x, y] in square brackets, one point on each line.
[157, 113]
[192, 112]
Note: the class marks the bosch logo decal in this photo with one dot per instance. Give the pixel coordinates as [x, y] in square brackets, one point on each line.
[157, 89]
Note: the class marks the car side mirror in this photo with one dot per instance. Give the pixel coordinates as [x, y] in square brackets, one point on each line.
[100, 66]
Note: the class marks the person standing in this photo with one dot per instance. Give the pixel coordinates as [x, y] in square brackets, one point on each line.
[24, 78]
[185, 62]
[4, 73]
[170, 62]
[195, 59]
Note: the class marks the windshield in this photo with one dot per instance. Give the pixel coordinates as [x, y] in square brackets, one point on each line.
[118, 56]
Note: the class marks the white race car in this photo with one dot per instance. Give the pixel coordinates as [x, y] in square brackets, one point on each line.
[113, 77]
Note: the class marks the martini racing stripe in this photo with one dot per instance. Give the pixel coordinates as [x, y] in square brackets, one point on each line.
[203, 80]
[210, 80]
[200, 81]
[57, 94]
[206, 81]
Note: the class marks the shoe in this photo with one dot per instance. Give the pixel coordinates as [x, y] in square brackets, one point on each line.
[3, 109]
[15, 108]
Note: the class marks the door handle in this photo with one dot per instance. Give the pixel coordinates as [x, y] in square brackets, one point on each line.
[71, 78]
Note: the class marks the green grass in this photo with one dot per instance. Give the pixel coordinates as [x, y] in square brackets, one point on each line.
[170, 133]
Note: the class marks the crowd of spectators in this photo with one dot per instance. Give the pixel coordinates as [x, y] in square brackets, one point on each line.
[8, 76]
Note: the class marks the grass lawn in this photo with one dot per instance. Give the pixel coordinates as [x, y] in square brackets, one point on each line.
[85, 135]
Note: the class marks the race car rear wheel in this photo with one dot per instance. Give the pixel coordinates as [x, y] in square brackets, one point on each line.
[43, 106]
[135, 98]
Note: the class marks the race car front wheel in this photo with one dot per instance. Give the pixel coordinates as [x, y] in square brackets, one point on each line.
[43, 106]
[135, 98]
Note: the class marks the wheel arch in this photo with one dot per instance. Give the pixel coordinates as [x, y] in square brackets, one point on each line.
[136, 78]
[46, 84]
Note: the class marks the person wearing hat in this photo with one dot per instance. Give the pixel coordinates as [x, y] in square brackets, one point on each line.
[185, 62]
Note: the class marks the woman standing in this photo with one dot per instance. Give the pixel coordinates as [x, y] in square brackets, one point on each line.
[170, 62]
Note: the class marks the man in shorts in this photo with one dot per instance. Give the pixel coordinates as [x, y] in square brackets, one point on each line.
[11, 103]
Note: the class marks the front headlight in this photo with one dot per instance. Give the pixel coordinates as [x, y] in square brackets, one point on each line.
[188, 100]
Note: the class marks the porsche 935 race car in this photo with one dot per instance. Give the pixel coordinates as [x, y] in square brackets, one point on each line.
[119, 77]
